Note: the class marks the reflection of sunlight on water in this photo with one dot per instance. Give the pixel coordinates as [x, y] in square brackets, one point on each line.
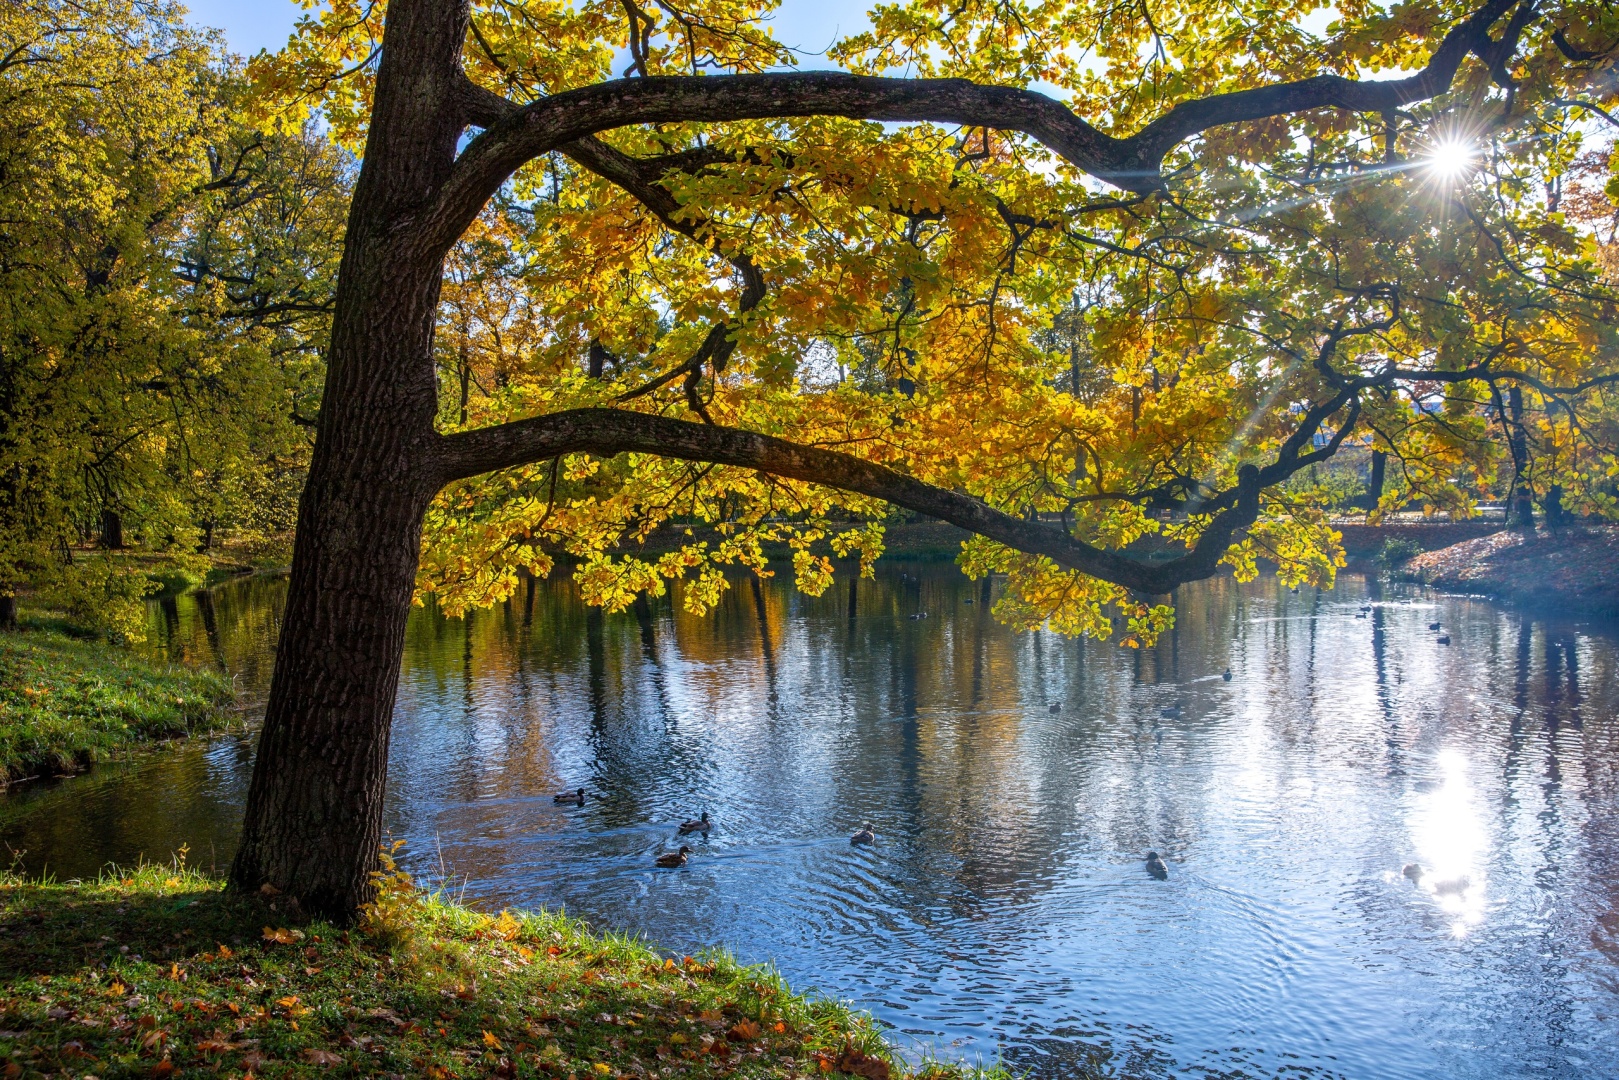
[1451, 842]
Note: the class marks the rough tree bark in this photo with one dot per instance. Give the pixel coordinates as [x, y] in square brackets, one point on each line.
[315, 802]
[313, 817]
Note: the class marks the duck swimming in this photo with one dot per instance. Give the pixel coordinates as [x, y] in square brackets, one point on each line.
[1227, 675]
[1453, 887]
[1412, 871]
[574, 798]
[700, 824]
[674, 858]
[1156, 867]
[864, 836]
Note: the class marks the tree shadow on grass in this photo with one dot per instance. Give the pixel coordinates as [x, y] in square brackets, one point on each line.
[46, 930]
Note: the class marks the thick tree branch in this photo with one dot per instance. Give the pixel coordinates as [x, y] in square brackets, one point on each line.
[513, 135]
[614, 431]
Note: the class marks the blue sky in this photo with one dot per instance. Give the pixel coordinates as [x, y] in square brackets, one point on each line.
[251, 25]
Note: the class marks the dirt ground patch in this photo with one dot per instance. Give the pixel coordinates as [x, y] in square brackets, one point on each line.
[1575, 569]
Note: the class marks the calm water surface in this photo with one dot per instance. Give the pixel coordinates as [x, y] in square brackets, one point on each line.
[1004, 910]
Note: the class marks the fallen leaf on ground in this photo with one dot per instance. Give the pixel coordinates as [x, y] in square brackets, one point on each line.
[316, 1056]
[744, 1031]
[856, 1063]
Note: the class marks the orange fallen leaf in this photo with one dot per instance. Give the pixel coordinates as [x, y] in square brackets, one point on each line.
[490, 1041]
[856, 1063]
[281, 935]
[744, 1031]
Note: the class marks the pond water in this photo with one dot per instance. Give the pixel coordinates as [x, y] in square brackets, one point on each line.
[1004, 910]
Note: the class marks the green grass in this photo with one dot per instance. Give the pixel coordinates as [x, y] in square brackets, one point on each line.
[160, 972]
[66, 702]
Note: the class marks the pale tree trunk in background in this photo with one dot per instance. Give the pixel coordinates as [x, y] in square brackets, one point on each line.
[1521, 511]
[1374, 483]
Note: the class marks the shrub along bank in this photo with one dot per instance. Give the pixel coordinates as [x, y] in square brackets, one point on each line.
[66, 702]
[159, 972]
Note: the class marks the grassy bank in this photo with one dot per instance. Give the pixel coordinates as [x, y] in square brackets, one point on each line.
[159, 973]
[66, 702]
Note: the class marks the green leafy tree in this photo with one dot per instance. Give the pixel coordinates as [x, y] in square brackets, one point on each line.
[164, 280]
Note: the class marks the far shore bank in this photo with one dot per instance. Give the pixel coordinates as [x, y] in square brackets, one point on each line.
[1574, 569]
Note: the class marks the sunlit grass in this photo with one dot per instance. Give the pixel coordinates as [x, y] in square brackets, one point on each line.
[66, 702]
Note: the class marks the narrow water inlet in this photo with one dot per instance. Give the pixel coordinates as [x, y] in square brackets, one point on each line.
[1005, 908]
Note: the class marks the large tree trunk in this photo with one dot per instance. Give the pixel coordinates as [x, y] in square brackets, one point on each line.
[314, 808]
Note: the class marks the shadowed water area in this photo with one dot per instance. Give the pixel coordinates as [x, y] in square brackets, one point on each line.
[1005, 909]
